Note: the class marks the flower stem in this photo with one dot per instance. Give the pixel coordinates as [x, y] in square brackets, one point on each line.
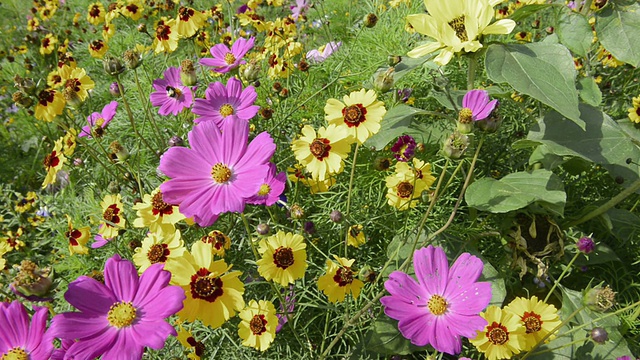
[346, 212]
[148, 109]
[624, 194]
[471, 71]
[555, 283]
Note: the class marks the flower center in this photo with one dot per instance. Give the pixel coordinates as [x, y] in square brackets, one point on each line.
[205, 287]
[158, 253]
[457, 25]
[258, 324]
[73, 84]
[344, 276]
[532, 322]
[121, 314]
[405, 189]
[283, 257]
[45, 97]
[320, 148]
[16, 354]
[220, 173]
[95, 11]
[226, 110]
[51, 160]
[162, 32]
[265, 189]
[465, 116]
[159, 206]
[185, 13]
[173, 92]
[354, 114]
[111, 214]
[133, 8]
[229, 58]
[497, 334]
[73, 235]
[216, 238]
[437, 305]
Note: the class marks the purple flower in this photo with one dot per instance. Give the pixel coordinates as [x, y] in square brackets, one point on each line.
[218, 173]
[119, 318]
[443, 305]
[21, 339]
[320, 55]
[404, 148]
[586, 245]
[99, 241]
[271, 188]
[299, 9]
[99, 120]
[626, 357]
[171, 95]
[226, 102]
[404, 94]
[58, 354]
[476, 102]
[224, 60]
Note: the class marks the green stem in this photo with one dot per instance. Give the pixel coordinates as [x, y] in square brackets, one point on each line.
[346, 212]
[624, 194]
[560, 347]
[564, 272]
[471, 71]
[131, 119]
[148, 109]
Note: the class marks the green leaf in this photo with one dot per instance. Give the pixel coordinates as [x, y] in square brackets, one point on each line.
[601, 255]
[385, 338]
[602, 141]
[575, 32]
[527, 10]
[625, 225]
[618, 30]
[543, 71]
[516, 191]
[548, 160]
[589, 91]
[498, 287]
[399, 121]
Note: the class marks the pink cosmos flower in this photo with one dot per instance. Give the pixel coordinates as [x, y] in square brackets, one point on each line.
[99, 120]
[478, 102]
[271, 188]
[224, 60]
[299, 9]
[320, 55]
[119, 318]
[218, 173]
[99, 241]
[21, 339]
[226, 102]
[443, 305]
[171, 95]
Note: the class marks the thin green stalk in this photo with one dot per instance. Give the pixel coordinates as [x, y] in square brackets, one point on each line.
[623, 195]
[471, 71]
[559, 347]
[564, 272]
[131, 119]
[346, 212]
[148, 109]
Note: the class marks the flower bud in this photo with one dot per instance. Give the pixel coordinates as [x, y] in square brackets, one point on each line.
[303, 65]
[297, 212]
[490, 124]
[309, 227]
[21, 99]
[393, 60]
[132, 58]
[266, 112]
[142, 28]
[71, 97]
[251, 72]
[175, 141]
[114, 90]
[600, 298]
[336, 216]
[263, 229]
[370, 20]
[586, 245]
[384, 80]
[188, 73]
[78, 162]
[112, 66]
[382, 163]
[366, 274]
[599, 335]
[113, 187]
[119, 151]
[31, 281]
[455, 145]
[26, 85]
[465, 121]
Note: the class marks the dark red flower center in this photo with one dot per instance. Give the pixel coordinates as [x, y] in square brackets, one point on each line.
[532, 322]
[158, 253]
[159, 206]
[354, 115]
[46, 97]
[111, 214]
[185, 13]
[95, 11]
[132, 8]
[283, 257]
[258, 325]
[52, 160]
[205, 287]
[73, 84]
[73, 235]
[96, 45]
[320, 148]
[344, 276]
[163, 32]
[497, 334]
[405, 189]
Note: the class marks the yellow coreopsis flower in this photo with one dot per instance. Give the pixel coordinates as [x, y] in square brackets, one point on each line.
[421, 171]
[11, 241]
[340, 280]
[359, 114]
[502, 337]
[634, 112]
[69, 142]
[156, 214]
[322, 153]
[53, 163]
[213, 294]
[112, 216]
[33, 24]
[284, 258]
[133, 9]
[189, 21]
[317, 186]
[158, 248]
[258, 326]
[537, 317]
[47, 45]
[189, 342]
[455, 26]
[78, 238]
[355, 236]
[98, 48]
[166, 36]
[26, 203]
[77, 80]
[54, 80]
[607, 59]
[403, 187]
[523, 36]
[96, 13]
[218, 240]
[108, 30]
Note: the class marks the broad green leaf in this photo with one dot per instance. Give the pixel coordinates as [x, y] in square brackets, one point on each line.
[543, 71]
[630, 128]
[602, 141]
[601, 255]
[618, 30]
[625, 225]
[589, 91]
[543, 156]
[407, 64]
[399, 121]
[385, 338]
[498, 287]
[527, 11]
[516, 191]
[575, 32]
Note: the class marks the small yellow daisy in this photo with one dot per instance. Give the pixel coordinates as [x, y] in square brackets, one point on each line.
[503, 335]
[322, 153]
[258, 326]
[340, 280]
[284, 258]
[359, 113]
[537, 317]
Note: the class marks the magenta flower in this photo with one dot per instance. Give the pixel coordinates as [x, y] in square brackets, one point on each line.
[99, 120]
[477, 101]
[218, 173]
[21, 338]
[224, 60]
[321, 54]
[226, 102]
[443, 305]
[299, 9]
[99, 241]
[171, 95]
[586, 245]
[404, 148]
[271, 188]
[119, 318]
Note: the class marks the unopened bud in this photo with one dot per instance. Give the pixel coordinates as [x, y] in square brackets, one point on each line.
[336, 216]
[600, 298]
[382, 163]
[384, 80]
[114, 89]
[455, 145]
[119, 151]
[26, 85]
[599, 335]
[490, 124]
[21, 99]
[393, 60]
[132, 59]
[188, 73]
[297, 212]
[142, 28]
[113, 187]
[370, 20]
[251, 71]
[112, 66]
[71, 97]
[175, 141]
[263, 229]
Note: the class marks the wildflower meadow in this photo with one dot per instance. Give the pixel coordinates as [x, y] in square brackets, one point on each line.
[319, 179]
